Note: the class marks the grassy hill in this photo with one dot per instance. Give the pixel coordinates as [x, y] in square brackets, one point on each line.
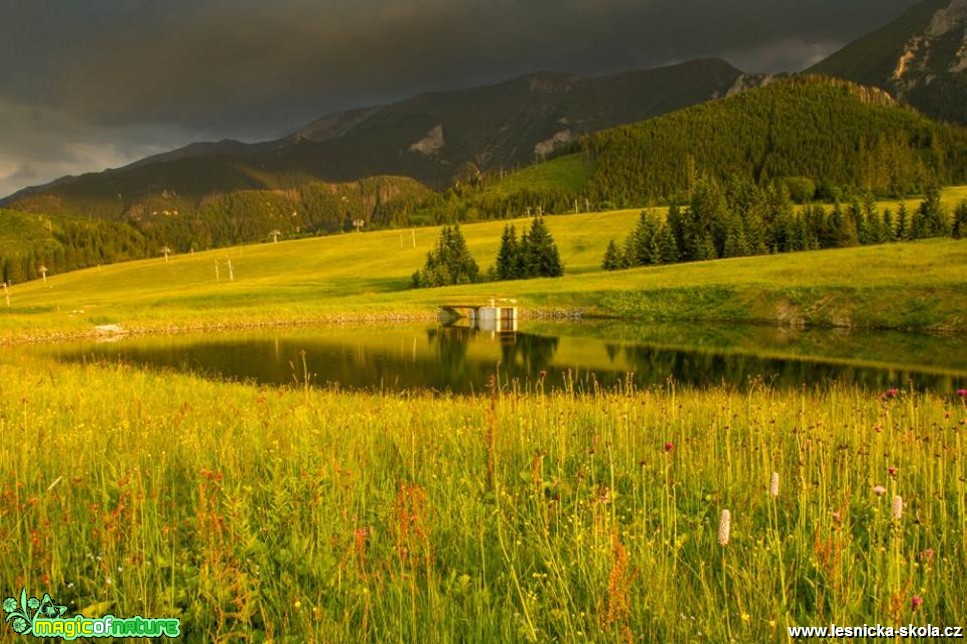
[916, 285]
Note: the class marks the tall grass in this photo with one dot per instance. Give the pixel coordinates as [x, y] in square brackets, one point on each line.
[527, 513]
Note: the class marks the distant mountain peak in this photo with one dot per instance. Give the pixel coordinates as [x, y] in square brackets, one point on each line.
[947, 19]
[921, 58]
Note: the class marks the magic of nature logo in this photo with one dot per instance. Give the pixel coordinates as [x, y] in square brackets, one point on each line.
[45, 618]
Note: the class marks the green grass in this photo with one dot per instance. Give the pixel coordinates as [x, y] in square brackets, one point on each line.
[918, 285]
[568, 173]
[523, 515]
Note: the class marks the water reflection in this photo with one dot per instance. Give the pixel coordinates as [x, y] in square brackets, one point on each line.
[462, 359]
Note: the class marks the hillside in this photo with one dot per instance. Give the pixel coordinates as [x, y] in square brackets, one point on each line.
[66, 242]
[367, 275]
[921, 58]
[834, 132]
[838, 135]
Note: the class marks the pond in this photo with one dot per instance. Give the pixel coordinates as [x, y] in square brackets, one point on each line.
[460, 359]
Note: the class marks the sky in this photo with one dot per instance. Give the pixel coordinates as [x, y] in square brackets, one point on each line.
[91, 84]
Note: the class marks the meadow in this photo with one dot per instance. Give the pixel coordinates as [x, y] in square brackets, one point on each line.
[532, 512]
[919, 285]
[543, 510]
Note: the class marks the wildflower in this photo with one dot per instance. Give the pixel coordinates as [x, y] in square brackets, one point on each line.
[669, 446]
[891, 393]
[879, 490]
[746, 618]
[962, 393]
[916, 602]
[725, 527]
[837, 516]
[898, 507]
[891, 471]
[542, 374]
[927, 555]
[774, 484]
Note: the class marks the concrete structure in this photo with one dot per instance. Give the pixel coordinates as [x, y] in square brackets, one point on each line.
[486, 317]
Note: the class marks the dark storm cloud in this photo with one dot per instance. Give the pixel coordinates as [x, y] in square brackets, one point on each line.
[118, 78]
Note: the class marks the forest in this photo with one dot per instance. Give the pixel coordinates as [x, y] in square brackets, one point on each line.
[742, 219]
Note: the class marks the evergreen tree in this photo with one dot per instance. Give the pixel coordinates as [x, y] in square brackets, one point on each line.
[644, 246]
[449, 263]
[904, 231]
[736, 244]
[705, 249]
[612, 257]
[675, 223]
[869, 226]
[539, 252]
[781, 219]
[669, 247]
[931, 221]
[703, 234]
[960, 221]
[508, 256]
[842, 228]
[887, 233]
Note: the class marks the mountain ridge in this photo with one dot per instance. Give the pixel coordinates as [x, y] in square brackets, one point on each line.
[502, 125]
[920, 58]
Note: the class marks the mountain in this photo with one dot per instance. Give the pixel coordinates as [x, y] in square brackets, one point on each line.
[434, 138]
[828, 133]
[920, 58]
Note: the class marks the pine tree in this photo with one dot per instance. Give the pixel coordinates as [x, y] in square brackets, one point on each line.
[904, 231]
[960, 221]
[669, 247]
[541, 257]
[842, 228]
[612, 258]
[644, 241]
[887, 233]
[736, 244]
[508, 261]
[449, 263]
[931, 221]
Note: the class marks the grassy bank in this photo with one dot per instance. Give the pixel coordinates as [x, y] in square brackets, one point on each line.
[511, 516]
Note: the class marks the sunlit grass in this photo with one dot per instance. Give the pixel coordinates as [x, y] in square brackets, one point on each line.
[533, 512]
[908, 285]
